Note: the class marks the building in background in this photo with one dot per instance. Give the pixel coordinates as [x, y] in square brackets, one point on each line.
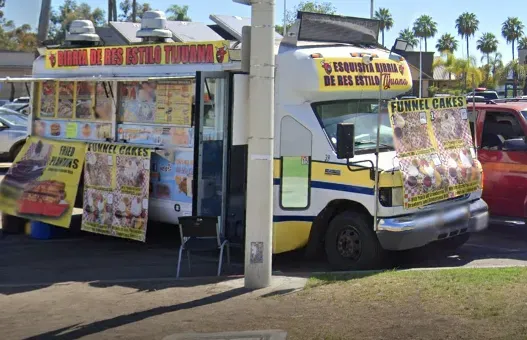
[15, 64]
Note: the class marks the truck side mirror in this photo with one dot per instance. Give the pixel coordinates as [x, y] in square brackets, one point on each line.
[345, 140]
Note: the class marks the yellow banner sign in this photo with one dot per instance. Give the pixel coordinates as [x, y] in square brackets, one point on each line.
[338, 74]
[434, 146]
[42, 183]
[205, 52]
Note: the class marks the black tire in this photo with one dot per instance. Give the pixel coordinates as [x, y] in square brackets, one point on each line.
[15, 151]
[453, 243]
[13, 224]
[351, 243]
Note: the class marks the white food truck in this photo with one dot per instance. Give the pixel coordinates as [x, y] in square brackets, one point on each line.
[115, 84]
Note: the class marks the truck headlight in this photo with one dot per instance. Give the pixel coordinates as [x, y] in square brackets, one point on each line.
[391, 197]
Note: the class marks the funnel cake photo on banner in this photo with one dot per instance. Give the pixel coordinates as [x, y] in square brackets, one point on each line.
[411, 132]
[98, 170]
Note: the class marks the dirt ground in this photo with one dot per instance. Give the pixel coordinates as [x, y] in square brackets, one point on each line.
[445, 304]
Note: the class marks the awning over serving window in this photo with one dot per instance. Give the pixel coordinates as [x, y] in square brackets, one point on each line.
[100, 78]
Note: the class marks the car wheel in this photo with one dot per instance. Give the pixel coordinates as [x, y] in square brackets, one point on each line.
[15, 151]
[351, 243]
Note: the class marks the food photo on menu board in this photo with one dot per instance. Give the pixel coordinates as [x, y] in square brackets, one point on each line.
[85, 97]
[65, 100]
[138, 102]
[174, 102]
[47, 98]
[154, 135]
[103, 103]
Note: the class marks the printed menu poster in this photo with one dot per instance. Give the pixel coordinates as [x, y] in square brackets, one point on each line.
[174, 102]
[164, 103]
[420, 164]
[85, 98]
[65, 102]
[116, 190]
[451, 129]
[42, 183]
[173, 181]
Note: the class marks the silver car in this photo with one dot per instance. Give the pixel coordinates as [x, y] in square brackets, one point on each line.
[13, 132]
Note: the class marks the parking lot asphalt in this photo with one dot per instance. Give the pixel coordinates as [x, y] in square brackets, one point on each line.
[85, 257]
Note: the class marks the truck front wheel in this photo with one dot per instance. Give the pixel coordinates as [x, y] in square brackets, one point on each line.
[351, 243]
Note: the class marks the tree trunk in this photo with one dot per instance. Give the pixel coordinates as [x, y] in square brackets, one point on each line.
[134, 10]
[466, 70]
[43, 21]
[382, 37]
[514, 80]
[426, 45]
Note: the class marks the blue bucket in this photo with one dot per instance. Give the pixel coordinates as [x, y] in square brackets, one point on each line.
[45, 231]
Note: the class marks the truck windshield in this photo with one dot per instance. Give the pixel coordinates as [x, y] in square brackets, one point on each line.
[362, 113]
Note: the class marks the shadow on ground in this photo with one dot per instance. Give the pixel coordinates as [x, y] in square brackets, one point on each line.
[77, 331]
[106, 261]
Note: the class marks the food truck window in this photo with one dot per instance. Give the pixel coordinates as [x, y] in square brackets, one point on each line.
[164, 102]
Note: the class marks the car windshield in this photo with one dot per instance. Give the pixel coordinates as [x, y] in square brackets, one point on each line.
[362, 113]
[524, 113]
[13, 118]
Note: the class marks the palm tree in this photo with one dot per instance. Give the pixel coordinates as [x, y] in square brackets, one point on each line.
[409, 36]
[447, 43]
[512, 30]
[425, 27]
[522, 43]
[180, 13]
[386, 19]
[487, 44]
[467, 24]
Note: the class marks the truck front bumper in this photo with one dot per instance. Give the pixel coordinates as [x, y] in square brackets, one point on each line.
[416, 230]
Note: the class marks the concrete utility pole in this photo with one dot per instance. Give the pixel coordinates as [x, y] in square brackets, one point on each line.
[259, 220]
[371, 9]
[43, 21]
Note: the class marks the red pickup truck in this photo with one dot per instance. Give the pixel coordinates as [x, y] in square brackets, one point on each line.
[499, 128]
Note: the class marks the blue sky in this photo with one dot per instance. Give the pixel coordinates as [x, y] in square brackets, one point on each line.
[490, 13]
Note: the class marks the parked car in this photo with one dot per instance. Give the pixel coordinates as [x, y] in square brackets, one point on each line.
[500, 131]
[477, 99]
[21, 100]
[18, 107]
[13, 132]
[485, 93]
[3, 102]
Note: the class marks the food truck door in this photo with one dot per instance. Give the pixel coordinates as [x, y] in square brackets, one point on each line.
[211, 141]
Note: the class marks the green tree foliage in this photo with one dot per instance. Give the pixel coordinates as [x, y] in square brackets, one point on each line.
[425, 27]
[386, 19]
[69, 11]
[178, 13]
[447, 43]
[306, 6]
[409, 36]
[126, 7]
[14, 38]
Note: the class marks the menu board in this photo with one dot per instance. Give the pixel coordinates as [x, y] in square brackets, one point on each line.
[430, 138]
[47, 99]
[156, 135]
[42, 183]
[116, 190]
[174, 103]
[162, 103]
[72, 129]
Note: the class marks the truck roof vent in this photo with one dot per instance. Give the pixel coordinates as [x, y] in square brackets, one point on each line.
[82, 33]
[154, 27]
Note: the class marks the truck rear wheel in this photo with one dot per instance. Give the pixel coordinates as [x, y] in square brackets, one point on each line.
[351, 243]
[13, 224]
